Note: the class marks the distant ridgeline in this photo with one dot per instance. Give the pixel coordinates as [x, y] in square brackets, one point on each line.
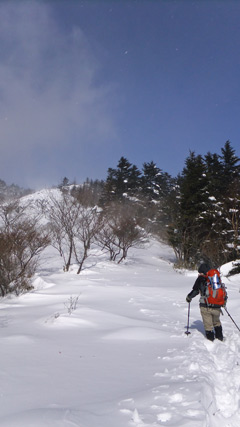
[8, 192]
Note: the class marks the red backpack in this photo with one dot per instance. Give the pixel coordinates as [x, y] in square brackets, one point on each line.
[215, 290]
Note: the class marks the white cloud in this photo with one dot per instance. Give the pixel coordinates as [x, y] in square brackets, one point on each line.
[48, 94]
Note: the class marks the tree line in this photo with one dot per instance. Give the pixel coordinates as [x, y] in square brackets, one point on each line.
[197, 213]
[205, 225]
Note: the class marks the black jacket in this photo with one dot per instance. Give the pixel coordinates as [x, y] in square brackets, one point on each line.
[198, 287]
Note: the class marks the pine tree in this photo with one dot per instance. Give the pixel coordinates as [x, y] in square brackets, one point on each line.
[229, 167]
[193, 187]
[193, 200]
[155, 183]
[214, 175]
[212, 243]
[124, 181]
[175, 226]
[230, 217]
[156, 188]
[209, 208]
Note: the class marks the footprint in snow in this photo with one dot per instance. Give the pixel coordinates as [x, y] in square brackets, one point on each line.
[217, 366]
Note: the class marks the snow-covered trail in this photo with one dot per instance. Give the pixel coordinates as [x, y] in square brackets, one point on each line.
[199, 382]
[121, 358]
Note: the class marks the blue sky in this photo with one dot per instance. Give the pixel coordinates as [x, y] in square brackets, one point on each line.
[83, 83]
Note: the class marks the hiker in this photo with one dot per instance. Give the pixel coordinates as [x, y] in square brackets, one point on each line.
[210, 312]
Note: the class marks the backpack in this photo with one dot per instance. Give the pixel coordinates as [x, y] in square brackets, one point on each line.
[215, 293]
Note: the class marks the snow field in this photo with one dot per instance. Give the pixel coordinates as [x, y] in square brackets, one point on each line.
[108, 348]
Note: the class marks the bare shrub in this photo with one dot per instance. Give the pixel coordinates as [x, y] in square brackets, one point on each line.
[88, 226]
[73, 228]
[122, 229]
[71, 304]
[63, 214]
[21, 242]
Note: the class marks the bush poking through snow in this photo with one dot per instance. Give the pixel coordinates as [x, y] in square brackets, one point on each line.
[21, 242]
[71, 304]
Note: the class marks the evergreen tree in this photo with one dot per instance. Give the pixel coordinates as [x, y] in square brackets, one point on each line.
[207, 227]
[156, 187]
[175, 231]
[214, 175]
[229, 166]
[231, 214]
[230, 201]
[122, 177]
[134, 181]
[155, 183]
[193, 187]
[124, 181]
[193, 200]
[212, 243]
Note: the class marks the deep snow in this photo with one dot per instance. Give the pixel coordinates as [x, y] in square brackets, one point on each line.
[108, 348]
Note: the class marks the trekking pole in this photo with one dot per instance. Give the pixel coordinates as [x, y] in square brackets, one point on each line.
[187, 331]
[231, 318]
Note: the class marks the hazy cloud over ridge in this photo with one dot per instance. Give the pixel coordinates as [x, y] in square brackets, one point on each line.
[85, 82]
[48, 95]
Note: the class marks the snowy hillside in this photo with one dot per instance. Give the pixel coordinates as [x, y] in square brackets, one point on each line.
[107, 348]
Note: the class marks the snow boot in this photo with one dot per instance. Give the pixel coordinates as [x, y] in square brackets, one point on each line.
[210, 335]
[218, 333]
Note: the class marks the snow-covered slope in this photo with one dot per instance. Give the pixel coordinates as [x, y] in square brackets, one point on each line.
[108, 348]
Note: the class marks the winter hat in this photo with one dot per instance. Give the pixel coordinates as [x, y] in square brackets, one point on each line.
[204, 268]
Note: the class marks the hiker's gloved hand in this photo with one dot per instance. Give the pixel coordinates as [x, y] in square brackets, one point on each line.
[188, 299]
